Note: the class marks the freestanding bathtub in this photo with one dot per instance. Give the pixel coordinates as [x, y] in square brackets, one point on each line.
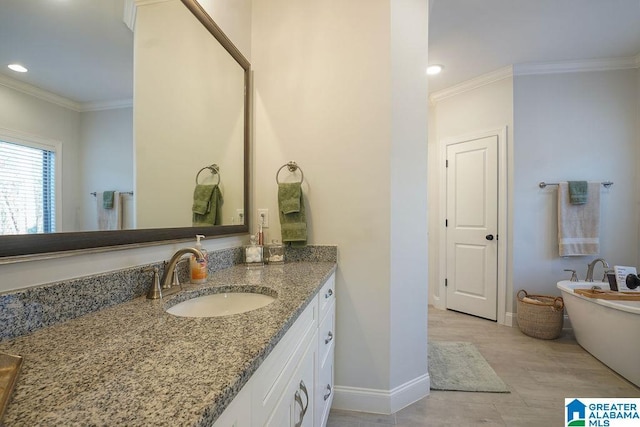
[608, 329]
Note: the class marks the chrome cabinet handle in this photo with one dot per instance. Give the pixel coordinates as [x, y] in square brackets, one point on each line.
[326, 396]
[303, 408]
[306, 395]
[329, 338]
[329, 293]
[299, 400]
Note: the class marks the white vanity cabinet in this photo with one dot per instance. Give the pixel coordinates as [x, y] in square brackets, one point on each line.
[326, 345]
[293, 386]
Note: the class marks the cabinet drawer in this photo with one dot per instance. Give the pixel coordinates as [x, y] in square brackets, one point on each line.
[324, 391]
[326, 335]
[275, 372]
[327, 295]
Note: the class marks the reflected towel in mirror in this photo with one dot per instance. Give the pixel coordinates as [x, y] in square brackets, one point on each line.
[109, 218]
[207, 202]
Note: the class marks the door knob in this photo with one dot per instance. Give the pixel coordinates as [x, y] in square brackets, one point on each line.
[489, 237]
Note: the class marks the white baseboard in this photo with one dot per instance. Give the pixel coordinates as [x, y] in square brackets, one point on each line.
[381, 401]
[510, 319]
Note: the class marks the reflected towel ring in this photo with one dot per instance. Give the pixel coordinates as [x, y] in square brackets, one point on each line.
[292, 166]
[214, 169]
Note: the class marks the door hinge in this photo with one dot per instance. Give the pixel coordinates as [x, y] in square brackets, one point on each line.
[445, 283]
[446, 222]
[446, 163]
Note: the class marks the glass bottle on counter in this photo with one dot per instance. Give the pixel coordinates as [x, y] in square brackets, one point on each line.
[275, 253]
[253, 255]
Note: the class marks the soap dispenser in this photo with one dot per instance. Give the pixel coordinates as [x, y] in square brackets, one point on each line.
[198, 267]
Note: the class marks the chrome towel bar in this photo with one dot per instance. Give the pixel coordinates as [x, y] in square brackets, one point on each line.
[543, 184]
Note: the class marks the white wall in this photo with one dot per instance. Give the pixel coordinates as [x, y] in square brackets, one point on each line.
[488, 107]
[106, 162]
[26, 114]
[325, 88]
[638, 154]
[409, 135]
[576, 126]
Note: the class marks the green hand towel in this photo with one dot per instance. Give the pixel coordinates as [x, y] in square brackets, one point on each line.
[578, 192]
[289, 197]
[293, 219]
[107, 199]
[207, 203]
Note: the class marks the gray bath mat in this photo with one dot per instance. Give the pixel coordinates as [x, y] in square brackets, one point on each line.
[459, 366]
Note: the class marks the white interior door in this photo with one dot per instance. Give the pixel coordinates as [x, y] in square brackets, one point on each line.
[472, 226]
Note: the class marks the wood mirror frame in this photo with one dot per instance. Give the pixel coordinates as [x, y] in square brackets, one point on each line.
[14, 247]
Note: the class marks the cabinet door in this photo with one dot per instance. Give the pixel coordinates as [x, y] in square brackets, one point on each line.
[296, 406]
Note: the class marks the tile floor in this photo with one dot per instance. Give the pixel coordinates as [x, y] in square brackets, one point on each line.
[539, 373]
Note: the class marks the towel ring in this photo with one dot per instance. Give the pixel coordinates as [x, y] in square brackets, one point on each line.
[215, 170]
[292, 166]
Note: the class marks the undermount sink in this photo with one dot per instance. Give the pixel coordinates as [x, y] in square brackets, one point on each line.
[221, 304]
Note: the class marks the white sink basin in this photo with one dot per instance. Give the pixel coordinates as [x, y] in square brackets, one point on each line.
[220, 304]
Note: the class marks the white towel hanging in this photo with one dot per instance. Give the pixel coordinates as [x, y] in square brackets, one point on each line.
[579, 225]
[109, 219]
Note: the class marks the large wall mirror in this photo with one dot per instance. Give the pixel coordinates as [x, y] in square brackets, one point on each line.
[150, 114]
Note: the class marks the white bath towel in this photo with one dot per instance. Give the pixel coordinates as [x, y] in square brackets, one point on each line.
[579, 225]
[109, 219]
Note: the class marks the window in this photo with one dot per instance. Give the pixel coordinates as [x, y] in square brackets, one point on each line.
[27, 189]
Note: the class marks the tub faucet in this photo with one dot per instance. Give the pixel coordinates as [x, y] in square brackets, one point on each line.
[169, 269]
[592, 264]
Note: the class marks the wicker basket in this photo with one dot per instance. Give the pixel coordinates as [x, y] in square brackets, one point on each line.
[540, 316]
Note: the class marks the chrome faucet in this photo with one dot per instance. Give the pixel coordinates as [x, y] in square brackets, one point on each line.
[167, 275]
[592, 264]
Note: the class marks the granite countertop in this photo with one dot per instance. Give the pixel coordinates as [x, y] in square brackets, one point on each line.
[135, 364]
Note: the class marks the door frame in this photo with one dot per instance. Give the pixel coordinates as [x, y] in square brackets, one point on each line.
[440, 298]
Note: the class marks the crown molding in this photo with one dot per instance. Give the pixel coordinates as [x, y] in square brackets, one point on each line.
[39, 93]
[471, 84]
[537, 68]
[79, 107]
[106, 105]
[577, 66]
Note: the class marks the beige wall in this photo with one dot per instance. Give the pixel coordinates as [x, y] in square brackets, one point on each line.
[189, 114]
[325, 91]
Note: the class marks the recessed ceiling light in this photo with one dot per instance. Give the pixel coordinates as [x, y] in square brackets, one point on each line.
[18, 68]
[432, 70]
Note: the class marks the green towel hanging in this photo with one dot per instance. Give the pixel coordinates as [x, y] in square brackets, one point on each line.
[578, 191]
[207, 205]
[107, 199]
[293, 219]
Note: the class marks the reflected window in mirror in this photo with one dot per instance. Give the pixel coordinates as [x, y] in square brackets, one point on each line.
[27, 187]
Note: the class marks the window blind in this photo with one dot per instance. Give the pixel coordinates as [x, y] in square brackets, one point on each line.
[27, 189]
